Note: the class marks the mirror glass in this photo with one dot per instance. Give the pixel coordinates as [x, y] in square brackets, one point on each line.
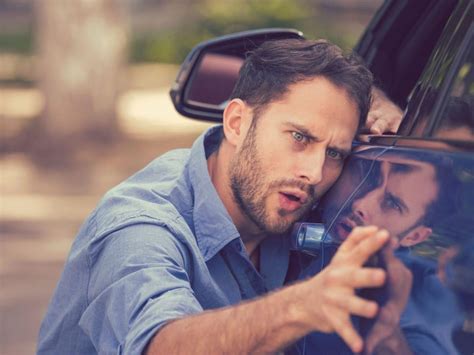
[213, 80]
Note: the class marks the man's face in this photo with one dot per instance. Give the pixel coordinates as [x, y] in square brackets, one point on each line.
[292, 154]
[404, 191]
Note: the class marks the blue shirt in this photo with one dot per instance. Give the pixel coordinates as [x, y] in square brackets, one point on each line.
[159, 246]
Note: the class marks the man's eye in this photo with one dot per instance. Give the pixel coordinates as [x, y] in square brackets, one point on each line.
[334, 154]
[299, 137]
[392, 204]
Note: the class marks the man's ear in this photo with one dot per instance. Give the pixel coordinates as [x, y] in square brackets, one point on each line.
[416, 236]
[235, 121]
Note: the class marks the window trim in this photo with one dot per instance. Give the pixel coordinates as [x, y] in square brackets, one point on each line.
[451, 76]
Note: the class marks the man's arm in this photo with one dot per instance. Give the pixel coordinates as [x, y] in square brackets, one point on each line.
[323, 303]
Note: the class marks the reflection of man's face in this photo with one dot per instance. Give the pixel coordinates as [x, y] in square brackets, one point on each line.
[398, 203]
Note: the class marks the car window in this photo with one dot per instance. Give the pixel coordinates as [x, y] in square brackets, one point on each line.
[426, 200]
[456, 121]
[399, 41]
[427, 98]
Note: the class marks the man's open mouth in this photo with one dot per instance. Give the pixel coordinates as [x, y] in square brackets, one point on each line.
[292, 200]
[291, 197]
[343, 227]
[295, 195]
[346, 227]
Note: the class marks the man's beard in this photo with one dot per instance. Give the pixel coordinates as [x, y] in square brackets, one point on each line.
[333, 217]
[250, 190]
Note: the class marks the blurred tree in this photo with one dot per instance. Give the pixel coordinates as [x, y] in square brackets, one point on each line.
[237, 15]
[82, 49]
[197, 20]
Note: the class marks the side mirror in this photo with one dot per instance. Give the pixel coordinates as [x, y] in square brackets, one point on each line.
[209, 73]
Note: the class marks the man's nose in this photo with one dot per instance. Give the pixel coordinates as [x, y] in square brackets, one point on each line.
[311, 169]
[363, 206]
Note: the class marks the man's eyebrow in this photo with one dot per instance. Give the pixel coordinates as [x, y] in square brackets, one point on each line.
[302, 129]
[400, 168]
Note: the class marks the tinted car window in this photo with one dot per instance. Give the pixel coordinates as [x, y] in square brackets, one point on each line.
[456, 120]
[399, 42]
[428, 95]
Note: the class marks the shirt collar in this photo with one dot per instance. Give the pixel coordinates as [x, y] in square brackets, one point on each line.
[213, 225]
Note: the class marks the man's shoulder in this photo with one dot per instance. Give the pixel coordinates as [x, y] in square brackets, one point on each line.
[172, 161]
[149, 196]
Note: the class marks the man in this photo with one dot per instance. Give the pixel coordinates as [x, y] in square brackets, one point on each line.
[178, 258]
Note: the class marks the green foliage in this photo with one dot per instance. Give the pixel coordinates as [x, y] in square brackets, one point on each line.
[236, 15]
[17, 42]
[165, 47]
[216, 18]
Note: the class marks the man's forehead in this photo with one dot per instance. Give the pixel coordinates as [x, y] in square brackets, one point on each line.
[398, 161]
[415, 183]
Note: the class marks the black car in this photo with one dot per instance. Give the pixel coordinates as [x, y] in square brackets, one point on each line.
[418, 182]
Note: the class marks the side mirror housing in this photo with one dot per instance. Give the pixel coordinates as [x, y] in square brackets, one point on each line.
[209, 73]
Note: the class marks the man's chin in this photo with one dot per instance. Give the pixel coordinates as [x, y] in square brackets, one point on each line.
[281, 220]
[280, 225]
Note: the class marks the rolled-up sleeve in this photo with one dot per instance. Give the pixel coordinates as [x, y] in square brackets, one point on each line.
[139, 281]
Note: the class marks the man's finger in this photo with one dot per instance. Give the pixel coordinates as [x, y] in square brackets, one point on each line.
[379, 126]
[346, 331]
[356, 236]
[369, 246]
[354, 305]
[371, 118]
[360, 277]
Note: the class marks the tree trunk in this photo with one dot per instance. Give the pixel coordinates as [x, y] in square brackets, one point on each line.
[81, 52]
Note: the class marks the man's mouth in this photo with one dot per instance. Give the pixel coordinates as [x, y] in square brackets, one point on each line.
[344, 227]
[291, 200]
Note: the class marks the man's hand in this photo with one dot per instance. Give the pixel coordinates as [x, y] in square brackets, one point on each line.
[333, 299]
[386, 336]
[384, 115]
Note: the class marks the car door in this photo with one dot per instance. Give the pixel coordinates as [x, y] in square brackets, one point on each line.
[419, 185]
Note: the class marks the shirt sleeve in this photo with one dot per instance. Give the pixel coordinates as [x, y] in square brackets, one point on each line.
[423, 343]
[139, 281]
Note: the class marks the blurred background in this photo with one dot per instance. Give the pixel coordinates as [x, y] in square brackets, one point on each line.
[84, 103]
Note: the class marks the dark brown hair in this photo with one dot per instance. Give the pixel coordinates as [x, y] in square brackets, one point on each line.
[270, 69]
